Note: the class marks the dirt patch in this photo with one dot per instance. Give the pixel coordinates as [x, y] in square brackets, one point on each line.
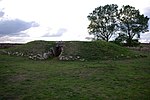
[18, 78]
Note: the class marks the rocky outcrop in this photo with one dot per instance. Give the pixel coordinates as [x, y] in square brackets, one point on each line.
[54, 51]
[41, 56]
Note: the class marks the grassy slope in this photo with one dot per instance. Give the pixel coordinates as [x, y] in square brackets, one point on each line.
[23, 79]
[34, 47]
[86, 50]
[96, 50]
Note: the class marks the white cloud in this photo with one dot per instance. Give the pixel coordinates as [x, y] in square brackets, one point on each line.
[58, 33]
[56, 14]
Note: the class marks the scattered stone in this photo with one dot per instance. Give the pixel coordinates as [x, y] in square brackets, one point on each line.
[122, 55]
[78, 57]
[128, 57]
[82, 59]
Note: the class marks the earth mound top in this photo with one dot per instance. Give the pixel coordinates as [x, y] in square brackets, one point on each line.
[72, 50]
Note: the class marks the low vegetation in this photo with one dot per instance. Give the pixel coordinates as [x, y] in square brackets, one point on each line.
[98, 79]
[34, 47]
[97, 50]
[74, 50]
[24, 79]
[35, 50]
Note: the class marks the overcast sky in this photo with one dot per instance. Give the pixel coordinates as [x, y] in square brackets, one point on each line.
[27, 20]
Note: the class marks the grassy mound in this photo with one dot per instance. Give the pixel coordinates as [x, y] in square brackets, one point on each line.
[34, 47]
[96, 50]
[73, 50]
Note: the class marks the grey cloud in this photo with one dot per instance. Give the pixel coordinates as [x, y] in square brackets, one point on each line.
[147, 11]
[1, 13]
[15, 26]
[19, 34]
[57, 34]
[11, 39]
[145, 37]
[34, 24]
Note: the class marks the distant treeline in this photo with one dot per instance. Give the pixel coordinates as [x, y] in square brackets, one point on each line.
[8, 45]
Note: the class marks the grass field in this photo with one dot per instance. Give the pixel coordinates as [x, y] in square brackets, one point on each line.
[24, 79]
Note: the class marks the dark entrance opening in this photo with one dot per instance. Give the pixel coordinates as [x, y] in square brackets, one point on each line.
[58, 50]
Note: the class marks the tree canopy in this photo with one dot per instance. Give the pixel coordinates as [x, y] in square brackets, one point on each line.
[132, 23]
[105, 21]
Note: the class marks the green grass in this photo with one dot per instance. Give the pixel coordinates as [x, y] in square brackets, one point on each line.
[24, 79]
[97, 50]
[94, 50]
[34, 47]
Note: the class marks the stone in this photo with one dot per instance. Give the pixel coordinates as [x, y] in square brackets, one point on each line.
[45, 55]
[122, 55]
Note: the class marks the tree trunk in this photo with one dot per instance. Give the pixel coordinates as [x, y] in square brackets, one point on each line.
[129, 40]
[107, 38]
